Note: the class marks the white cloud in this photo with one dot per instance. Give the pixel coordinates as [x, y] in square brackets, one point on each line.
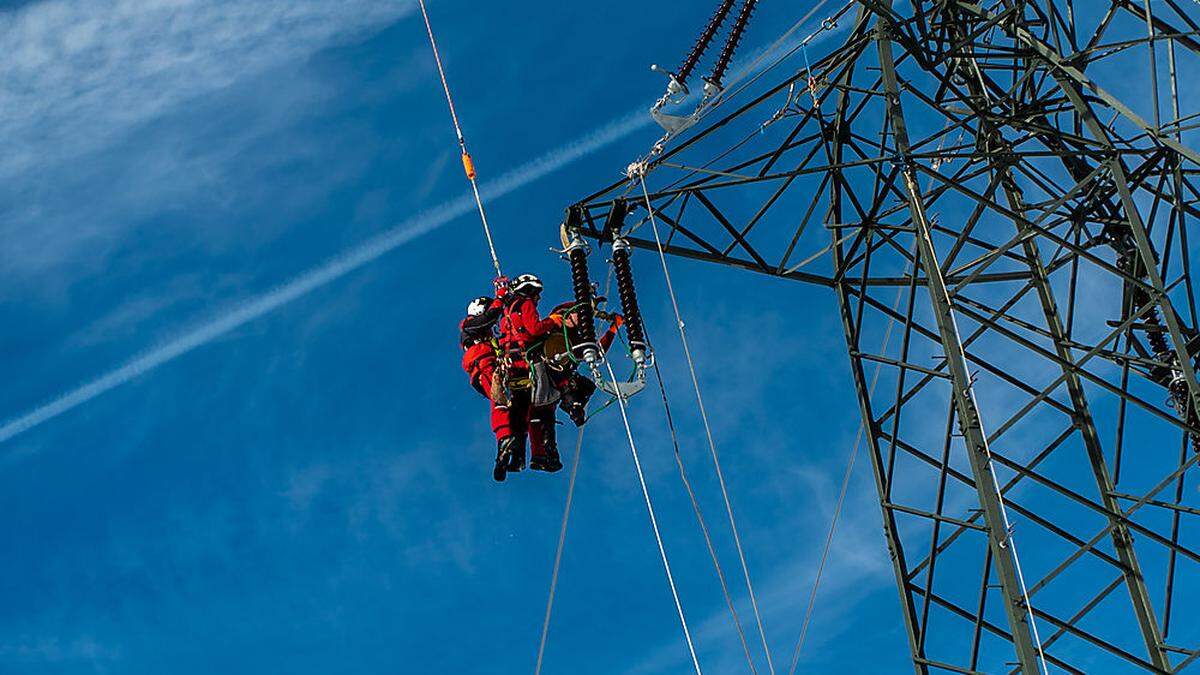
[78, 75]
[48, 650]
[333, 269]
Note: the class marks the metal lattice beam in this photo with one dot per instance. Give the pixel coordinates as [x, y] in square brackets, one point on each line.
[1008, 188]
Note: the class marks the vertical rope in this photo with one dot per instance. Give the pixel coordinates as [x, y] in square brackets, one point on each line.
[1011, 544]
[562, 538]
[637, 463]
[737, 539]
[468, 163]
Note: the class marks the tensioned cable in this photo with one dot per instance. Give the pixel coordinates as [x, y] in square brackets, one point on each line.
[562, 534]
[712, 552]
[468, 163]
[712, 446]
[837, 510]
[637, 463]
[562, 538]
[841, 501]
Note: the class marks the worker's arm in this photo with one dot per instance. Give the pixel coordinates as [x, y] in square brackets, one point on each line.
[501, 285]
[536, 326]
[606, 340]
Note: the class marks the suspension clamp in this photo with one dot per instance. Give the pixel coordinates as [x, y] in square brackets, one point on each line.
[569, 234]
[676, 89]
[571, 241]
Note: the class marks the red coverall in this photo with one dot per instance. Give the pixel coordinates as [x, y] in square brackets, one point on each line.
[521, 327]
[480, 361]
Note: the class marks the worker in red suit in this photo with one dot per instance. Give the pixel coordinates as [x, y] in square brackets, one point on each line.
[533, 396]
[481, 354]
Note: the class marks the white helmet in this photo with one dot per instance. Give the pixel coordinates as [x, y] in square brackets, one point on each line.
[478, 306]
[527, 284]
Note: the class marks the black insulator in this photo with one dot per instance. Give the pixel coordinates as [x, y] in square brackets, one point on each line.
[616, 219]
[1193, 421]
[581, 283]
[622, 270]
[705, 39]
[731, 43]
[1154, 334]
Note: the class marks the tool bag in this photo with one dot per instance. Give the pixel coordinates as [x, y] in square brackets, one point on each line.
[544, 392]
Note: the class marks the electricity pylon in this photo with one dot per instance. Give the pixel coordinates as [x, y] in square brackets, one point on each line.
[1000, 195]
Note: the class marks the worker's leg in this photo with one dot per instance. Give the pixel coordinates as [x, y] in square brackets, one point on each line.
[501, 423]
[518, 418]
[576, 392]
[543, 440]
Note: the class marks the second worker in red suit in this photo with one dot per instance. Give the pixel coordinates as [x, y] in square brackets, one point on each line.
[575, 389]
[532, 404]
[481, 361]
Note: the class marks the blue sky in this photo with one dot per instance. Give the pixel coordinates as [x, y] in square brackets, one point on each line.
[303, 486]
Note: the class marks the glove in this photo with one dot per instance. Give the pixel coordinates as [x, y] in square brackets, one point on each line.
[501, 286]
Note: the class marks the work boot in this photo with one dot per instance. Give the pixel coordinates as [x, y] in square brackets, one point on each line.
[503, 452]
[548, 461]
[576, 410]
[516, 454]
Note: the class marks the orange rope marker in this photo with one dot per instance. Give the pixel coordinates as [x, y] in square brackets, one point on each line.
[468, 165]
[467, 162]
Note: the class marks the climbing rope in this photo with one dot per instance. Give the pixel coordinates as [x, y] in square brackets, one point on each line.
[467, 162]
[637, 463]
[562, 538]
[639, 169]
[562, 534]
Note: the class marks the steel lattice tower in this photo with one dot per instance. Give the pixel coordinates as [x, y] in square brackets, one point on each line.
[1000, 196]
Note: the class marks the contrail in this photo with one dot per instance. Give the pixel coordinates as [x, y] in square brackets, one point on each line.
[353, 259]
[331, 270]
